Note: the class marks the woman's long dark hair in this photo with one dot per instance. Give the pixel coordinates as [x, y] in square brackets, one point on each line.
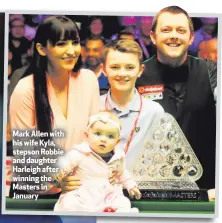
[52, 29]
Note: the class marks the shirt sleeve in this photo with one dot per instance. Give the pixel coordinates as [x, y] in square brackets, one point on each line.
[212, 72]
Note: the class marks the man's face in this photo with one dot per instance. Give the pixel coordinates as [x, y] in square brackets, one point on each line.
[17, 29]
[208, 49]
[202, 49]
[212, 49]
[146, 25]
[93, 53]
[172, 36]
[209, 26]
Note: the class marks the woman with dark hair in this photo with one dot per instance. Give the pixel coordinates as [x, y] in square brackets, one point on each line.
[59, 94]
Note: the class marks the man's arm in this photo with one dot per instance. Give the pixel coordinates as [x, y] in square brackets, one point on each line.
[212, 72]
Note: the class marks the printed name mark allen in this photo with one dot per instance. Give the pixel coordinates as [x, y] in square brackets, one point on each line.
[26, 133]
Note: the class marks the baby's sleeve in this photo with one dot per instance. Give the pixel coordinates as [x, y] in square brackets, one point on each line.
[67, 164]
[125, 177]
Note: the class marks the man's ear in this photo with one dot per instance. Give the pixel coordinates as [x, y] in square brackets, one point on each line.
[141, 70]
[153, 37]
[191, 38]
[103, 69]
[40, 49]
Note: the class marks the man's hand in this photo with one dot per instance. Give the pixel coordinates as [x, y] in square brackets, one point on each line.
[135, 192]
[70, 183]
[211, 194]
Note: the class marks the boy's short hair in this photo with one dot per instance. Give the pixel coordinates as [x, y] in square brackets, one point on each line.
[174, 10]
[123, 46]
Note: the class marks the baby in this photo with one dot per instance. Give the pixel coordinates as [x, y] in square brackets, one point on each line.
[93, 162]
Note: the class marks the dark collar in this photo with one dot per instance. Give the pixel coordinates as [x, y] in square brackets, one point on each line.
[171, 75]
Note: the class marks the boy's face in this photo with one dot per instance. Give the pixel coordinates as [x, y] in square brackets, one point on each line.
[122, 70]
[103, 137]
[172, 36]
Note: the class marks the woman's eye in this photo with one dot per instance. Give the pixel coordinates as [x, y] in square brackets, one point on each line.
[60, 43]
[97, 133]
[75, 42]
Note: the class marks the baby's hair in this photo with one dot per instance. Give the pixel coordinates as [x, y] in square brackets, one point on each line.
[102, 115]
[112, 116]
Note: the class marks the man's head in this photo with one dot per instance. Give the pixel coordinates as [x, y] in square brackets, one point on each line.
[209, 25]
[202, 49]
[172, 33]
[93, 52]
[16, 23]
[208, 49]
[96, 26]
[122, 63]
[127, 33]
[146, 25]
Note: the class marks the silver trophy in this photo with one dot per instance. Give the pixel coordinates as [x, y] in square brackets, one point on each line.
[167, 161]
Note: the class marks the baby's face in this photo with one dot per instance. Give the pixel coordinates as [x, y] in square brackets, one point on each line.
[103, 137]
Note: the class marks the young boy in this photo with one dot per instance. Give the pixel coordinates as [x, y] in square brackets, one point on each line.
[123, 65]
[93, 162]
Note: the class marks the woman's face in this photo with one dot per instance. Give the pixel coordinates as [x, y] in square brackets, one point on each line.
[96, 27]
[62, 56]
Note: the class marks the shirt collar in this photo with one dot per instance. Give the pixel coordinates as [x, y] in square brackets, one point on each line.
[134, 105]
[171, 75]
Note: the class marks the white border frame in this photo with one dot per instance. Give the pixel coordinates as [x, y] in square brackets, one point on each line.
[5, 96]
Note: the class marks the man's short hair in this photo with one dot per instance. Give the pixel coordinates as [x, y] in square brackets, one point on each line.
[174, 10]
[94, 38]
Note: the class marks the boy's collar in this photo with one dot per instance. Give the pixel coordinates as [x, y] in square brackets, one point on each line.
[134, 104]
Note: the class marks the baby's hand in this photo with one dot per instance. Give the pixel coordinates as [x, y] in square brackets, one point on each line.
[113, 177]
[135, 192]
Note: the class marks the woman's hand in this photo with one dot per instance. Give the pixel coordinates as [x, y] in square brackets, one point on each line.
[8, 133]
[70, 183]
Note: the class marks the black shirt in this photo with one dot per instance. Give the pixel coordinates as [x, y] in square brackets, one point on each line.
[19, 54]
[188, 96]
